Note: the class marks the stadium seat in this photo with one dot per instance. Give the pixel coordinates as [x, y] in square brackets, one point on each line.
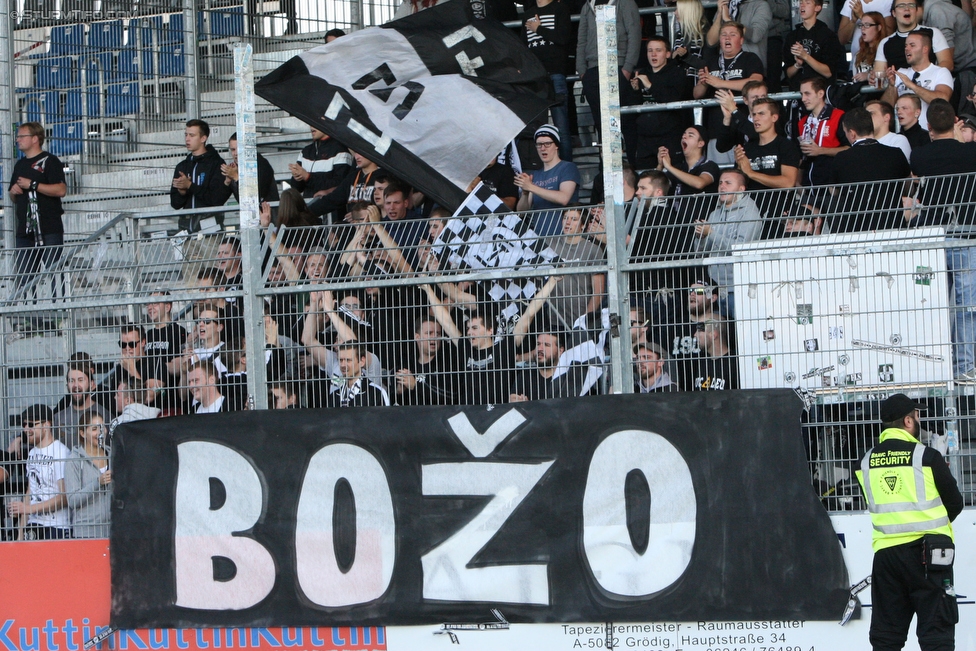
[65, 105]
[229, 22]
[33, 107]
[173, 30]
[122, 99]
[106, 35]
[144, 31]
[58, 72]
[67, 139]
[126, 66]
[67, 39]
[172, 62]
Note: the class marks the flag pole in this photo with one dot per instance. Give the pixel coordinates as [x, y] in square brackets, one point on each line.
[247, 169]
[618, 298]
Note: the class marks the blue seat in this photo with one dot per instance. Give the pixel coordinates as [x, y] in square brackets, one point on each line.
[172, 61]
[122, 99]
[58, 72]
[33, 107]
[67, 139]
[106, 35]
[126, 66]
[65, 105]
[228, 22]
[144, 31]
[68, 39]
[172, 32]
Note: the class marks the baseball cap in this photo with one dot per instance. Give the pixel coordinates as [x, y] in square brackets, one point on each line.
[898, 406]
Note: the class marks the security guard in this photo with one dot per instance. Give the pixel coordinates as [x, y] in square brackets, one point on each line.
[912, 498]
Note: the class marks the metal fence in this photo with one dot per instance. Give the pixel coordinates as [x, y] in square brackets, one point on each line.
[844, 295]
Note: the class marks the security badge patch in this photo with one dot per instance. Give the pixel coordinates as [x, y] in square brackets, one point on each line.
[890, 481]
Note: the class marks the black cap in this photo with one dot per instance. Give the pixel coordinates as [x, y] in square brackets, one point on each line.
[37, 414]
[897, 407]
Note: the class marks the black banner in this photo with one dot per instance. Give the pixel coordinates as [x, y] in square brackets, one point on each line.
[677, 507]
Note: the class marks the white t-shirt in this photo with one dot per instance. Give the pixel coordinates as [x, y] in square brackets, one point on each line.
[928, 79]
[883, 7]
[213, 408]
[897, 140]
[45, 468]
[939, 41]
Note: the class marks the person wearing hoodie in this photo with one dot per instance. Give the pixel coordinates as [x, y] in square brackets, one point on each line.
[736, 220]
[198, 183]
[88, 480]
[130, 403]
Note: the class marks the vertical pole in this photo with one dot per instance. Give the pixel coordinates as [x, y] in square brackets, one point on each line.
[356, 13]
[8, 118]
[622, 374]
[247, 165]
[190, 49]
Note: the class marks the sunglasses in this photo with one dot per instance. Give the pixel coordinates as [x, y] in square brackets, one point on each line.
[130, 344]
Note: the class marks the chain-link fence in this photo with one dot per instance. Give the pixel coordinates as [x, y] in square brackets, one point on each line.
[848, 295]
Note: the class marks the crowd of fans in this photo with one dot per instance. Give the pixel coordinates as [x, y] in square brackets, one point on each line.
[756, 169]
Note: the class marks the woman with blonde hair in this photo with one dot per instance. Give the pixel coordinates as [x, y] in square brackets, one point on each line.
[689, 35]
[873, 30]
[88, 480]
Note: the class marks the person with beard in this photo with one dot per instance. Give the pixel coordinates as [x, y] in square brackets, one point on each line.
[577, 294]
[485, 362]
[426, 376]
[678, 336]
[133, 363]
[663, 82]
[650, 374]
[80, 380]
[658, 234]
[547, 379]
[717, 368]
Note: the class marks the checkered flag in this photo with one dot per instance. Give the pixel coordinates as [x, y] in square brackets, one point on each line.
[482, 234]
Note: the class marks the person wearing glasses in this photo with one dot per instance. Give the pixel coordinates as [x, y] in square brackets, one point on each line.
[37, 186]
[88, 480]
[813, 48]
[873, 29]
[891, 52]
[850, 31]
[206, 340]
[554, 186]
[133, 363]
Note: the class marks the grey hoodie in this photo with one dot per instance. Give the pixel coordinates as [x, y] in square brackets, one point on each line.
[741, 222]
[89, 502]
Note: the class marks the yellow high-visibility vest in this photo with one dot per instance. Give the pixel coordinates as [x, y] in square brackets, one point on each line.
[901, 494]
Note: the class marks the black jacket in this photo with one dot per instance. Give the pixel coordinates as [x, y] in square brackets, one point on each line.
[267, 188]
[869, 205]
[208, 187]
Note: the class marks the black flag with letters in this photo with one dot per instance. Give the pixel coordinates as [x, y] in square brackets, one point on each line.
[431, 98]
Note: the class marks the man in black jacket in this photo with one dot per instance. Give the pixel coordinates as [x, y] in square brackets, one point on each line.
[198, 182]
[322, 165]
[267, 187]
[663, 82]
[869, 205]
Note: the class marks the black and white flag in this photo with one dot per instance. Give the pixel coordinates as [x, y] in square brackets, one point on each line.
[483, 235]
[432, 97]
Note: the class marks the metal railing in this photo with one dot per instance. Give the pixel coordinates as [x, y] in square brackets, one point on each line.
[844, 295]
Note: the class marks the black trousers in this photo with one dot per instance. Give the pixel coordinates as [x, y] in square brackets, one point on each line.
[901, 588]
